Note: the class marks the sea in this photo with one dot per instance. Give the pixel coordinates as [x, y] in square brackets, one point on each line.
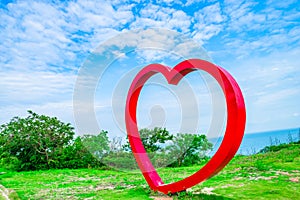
[253, 142]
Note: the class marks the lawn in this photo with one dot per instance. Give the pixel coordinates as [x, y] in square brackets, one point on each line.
[273, 175]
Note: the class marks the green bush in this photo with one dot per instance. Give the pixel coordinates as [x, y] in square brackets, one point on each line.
[39, 142]
[35, 140]
[120, 160]
[275, 148]
[10, 163]
[188, 149]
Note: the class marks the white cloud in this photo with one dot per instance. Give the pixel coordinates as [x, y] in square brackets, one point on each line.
[42, 46]
[35, 87]
[280, 4]
[271, 89]
[44, 43]
[155, 45]
[236, 9]
[34, 38]
[155, 16]
[210, 14]
[62, 110]
[261, 30]
[205, 32]
[41, 35]
[169, 2]
[208, 22]
[275, 98]
[192, 2]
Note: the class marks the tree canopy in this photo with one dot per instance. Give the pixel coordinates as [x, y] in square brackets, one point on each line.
[35, 140]
[152, 139]
[188, 149]
[41, 142]
[182, 149]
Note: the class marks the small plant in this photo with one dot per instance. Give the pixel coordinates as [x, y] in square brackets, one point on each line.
[182, 195]
[260, 165]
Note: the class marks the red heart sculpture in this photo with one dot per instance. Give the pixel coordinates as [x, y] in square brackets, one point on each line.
[236, 119]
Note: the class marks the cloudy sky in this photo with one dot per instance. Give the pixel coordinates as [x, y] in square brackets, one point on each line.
[44, 44]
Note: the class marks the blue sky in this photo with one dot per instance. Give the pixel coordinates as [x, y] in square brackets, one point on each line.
[45, 43]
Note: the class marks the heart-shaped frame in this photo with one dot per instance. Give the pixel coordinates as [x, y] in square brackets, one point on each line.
[236, 119]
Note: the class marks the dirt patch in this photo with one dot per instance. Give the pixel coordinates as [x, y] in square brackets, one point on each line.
[283, 173]
[112, 187]
[207, 190]
[4, 192]
[69, 193]
[266, 178]
[294, 179]
[104, 187]
[237, 169]
[231, 185]
[295, 171]
[71, 179]
[162, 198]
[238, 178]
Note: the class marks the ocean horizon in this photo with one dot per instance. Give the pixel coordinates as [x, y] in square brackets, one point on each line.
[253, 142]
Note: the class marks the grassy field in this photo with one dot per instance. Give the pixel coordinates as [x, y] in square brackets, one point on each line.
[273, 175]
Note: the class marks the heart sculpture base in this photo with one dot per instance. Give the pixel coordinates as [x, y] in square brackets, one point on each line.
[236, 118]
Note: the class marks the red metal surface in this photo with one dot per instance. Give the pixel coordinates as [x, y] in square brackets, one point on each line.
[236, 119]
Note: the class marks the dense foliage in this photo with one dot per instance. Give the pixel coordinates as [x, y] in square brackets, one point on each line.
[152, 139]
[42, 142]
[34, 141]
[39, 142]
[165, 149]
[188, 149]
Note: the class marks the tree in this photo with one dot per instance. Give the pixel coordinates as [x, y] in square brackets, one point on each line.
[97, 145]
[77, 155]
[152, 139]
[35, 140]
[188, 149]
[116, 144]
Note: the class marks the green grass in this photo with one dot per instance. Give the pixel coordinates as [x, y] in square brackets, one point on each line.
[272, 175]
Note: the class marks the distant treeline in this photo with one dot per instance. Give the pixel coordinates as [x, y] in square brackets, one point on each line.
[278, 147]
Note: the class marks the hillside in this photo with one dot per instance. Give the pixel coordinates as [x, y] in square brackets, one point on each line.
[271, 175]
